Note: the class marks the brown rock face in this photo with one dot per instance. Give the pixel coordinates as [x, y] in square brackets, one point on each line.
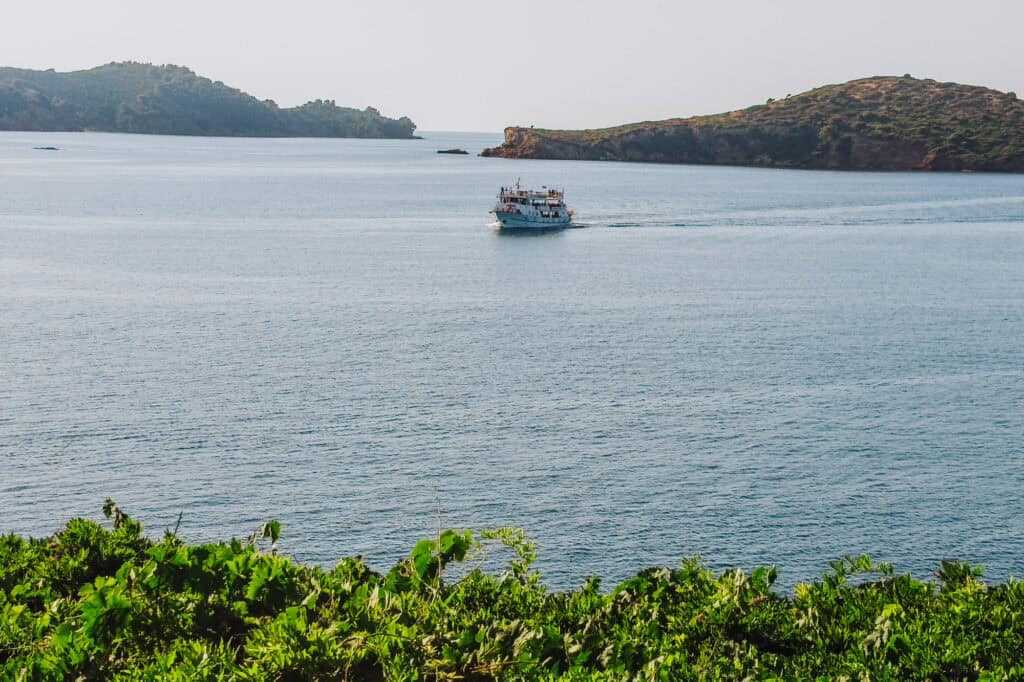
[871, 124]
[738, 146]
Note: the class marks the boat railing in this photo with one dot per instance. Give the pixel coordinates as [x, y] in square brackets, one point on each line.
[548, 193]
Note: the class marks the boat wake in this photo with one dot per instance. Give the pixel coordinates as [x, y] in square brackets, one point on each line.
[653, 223]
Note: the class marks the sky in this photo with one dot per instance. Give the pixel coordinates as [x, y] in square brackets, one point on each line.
[482, 65]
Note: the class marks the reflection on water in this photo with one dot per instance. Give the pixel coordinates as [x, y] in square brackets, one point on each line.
[529, 231]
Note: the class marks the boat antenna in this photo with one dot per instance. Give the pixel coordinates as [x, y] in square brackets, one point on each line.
[517, 183]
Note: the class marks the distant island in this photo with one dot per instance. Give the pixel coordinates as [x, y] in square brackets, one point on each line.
[881, 123]
[130, 97]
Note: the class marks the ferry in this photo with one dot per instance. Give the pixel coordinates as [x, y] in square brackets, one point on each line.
[519, 208]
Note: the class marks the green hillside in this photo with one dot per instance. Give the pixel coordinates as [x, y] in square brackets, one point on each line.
[130, 97]
[886, 123]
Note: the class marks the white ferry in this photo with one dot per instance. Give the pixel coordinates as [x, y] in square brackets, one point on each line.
[531, 209]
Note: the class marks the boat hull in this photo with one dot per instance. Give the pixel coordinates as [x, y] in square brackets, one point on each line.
[512, 221]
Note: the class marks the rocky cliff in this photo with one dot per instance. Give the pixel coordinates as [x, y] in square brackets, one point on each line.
[883, 123]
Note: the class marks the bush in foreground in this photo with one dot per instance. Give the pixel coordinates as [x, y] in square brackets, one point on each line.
[94, 603]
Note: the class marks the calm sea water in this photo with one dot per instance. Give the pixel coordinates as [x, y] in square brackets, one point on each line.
[760, 366]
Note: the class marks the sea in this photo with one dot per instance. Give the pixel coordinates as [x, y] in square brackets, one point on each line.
[757, 366]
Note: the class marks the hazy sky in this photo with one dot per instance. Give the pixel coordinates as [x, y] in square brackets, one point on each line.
[478, 65]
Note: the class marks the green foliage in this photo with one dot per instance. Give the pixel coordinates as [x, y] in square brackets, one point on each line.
[92, 603]
[142, 98]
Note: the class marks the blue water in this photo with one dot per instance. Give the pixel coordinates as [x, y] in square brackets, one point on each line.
[761, 366]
